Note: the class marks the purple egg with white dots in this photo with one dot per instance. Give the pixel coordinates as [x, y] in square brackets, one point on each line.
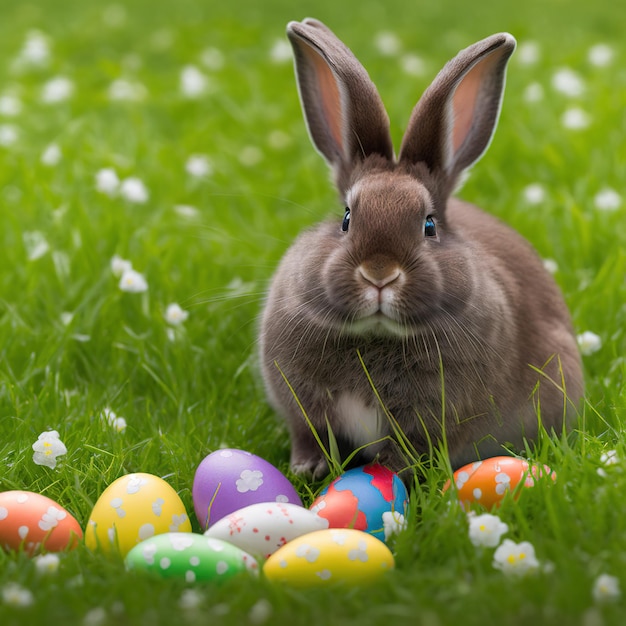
[230, 479]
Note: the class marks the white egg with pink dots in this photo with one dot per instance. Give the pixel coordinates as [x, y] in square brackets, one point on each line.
[263, 528]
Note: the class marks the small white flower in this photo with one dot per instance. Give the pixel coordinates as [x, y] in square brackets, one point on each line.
[515, 559]
[123, 90]
[393, 523]
[413, 65]
[533, 93]
[95, 617]
[528, 53]
[534, 193]
[601, 55]
[108, 415]
[551, 265]
[66, 318]
[162, 39]
[260, 612]
[610, 457]
[132, 61]
[589, 342]
[278, 140]
[36, 244]
[193, 83]
[486, 530]
[190, 599]
[107, 181]
[47, 448]
[9, 134]
[114, 15]
[10, 105]
[280, 51]
[119, 424]
[134, 190]
[35, 50]
[51, 155]
[47, 563]
[174, 315]
[116, 423]
[120, 265]
[607, 199]
[606, 589]
[198, 165]
[387, 43]
[17, 596]
[184, 210]
[57, 89]
[212, 58]
[575, 119]
[133, 282]
[568, 82]
[250, 156]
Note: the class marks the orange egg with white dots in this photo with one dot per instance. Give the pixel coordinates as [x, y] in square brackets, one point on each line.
[486, 482]
[32, 522]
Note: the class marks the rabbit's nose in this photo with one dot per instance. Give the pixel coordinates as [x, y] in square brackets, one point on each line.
[378, 273]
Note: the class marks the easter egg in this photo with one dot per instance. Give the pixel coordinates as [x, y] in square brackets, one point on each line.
[35, 522]
[230, 479]
[190, 557]
[334, 555]
[487, 482]
[367, 498]
[263, 528]
[133, 508]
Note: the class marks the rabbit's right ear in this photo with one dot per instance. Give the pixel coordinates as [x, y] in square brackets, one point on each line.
[344, 113]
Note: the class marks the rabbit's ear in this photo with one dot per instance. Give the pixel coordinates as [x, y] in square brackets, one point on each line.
[344, 113]
[452, 124]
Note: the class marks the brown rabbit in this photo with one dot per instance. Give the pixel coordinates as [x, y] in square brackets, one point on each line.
[414, 309]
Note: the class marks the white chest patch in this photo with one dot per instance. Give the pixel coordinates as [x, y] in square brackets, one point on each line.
[361, 424]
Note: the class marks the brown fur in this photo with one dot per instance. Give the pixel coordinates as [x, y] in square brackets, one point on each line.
[449, 328]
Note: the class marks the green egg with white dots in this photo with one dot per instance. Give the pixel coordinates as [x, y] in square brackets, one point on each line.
[190, 557]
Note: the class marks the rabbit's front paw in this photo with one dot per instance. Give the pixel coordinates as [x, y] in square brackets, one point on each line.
[313, 467]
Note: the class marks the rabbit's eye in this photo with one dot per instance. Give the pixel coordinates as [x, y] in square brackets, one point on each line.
[346, 221]
[430, 228]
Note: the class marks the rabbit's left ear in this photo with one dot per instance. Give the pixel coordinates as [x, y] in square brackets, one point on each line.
[453, 123]
[344, 113]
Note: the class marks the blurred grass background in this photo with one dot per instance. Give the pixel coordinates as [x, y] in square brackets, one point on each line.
[186, 390]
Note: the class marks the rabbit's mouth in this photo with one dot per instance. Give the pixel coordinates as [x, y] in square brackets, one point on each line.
[378, 323]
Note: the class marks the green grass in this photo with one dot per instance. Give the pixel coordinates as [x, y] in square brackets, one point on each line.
[183, 398]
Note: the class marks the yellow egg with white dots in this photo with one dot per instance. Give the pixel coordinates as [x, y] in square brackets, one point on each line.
[131, 509]
[330, 556]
